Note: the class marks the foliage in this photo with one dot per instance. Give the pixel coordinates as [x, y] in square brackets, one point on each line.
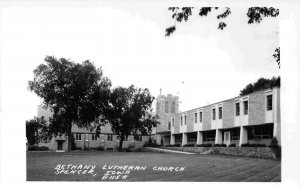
[219, 145]
[189, 145]
[75, 93]
[232, 145]
[151, 143]
[174, 145]
[276, 55]
[253, 145]
[37, 130]
[37, 148]
[261, 84]
[274, 143]
[130, 111]
[204, 145]
[254, 14]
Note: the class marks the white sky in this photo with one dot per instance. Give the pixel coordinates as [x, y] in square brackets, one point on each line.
[198, 62]
[127, 40]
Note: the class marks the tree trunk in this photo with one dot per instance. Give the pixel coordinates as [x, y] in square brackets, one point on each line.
[121, 143]
[69, 137]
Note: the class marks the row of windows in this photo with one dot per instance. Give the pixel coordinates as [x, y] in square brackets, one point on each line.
[220, 111]
[109, 137]
[237, 108]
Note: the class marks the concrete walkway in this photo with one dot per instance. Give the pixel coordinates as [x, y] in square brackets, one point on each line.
[168, 151]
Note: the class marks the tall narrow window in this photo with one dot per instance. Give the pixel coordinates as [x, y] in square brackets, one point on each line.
[109, 137]
[78, 137]
[237, 109]
[220, 112]
[173, 122]
[200, 117]
[185, 119]
[181, 120]
[94, 137]
[196, 117]
[214, 114]
[269, 102]
[245, 107]
[173, 107]
[169, 126]
[167, 107]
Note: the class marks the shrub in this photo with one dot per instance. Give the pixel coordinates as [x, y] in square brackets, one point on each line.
[204, 145]
[174, 145]
[130, 148]
[100, 148]
[253, 145]
[37, 148]
[231, 145]
[189, 145]
[219, 145]
[151, 143]
[274, 143]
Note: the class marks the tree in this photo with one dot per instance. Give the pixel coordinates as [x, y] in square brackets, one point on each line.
[75, 93]
[261, 84]
[33, 129]
[129, 112]
[255, 15]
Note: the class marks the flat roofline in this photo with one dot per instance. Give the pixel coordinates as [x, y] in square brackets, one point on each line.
[228, 99]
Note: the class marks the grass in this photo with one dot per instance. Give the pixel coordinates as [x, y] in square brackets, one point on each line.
[198, 168]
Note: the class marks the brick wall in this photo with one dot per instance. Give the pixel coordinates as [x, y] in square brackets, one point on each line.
[257, 108]
[228, 113]
[177, 123]
[190, 120]
[207, 118]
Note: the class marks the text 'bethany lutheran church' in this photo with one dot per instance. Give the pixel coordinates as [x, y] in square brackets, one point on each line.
[252, 118]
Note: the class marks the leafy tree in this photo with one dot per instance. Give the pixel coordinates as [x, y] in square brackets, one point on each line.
[254, 14]
[75, 93]
[260, 84]
[129, 112]
[33, 129]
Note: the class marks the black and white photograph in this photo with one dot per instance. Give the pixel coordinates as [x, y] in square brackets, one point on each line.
[133, 91]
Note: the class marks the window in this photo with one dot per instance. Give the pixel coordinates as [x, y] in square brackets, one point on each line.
[269, 102]
[110, 137]
[173, 122]
[209, 136]
[169, 126]
[192, 137]
[167, 107]
[173, 107]
[94, 137]
[235, 134]
[200, 117]
[237, 109]
[260, 132]
[181, 120]
[196, 117]
[214, 113]
[86, 137]
[220, 112]
[185, 119]
[245, 107]
[178, 139]
[77, 136]
[138, 138]
[125, 138]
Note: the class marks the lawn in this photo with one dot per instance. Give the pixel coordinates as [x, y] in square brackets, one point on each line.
[148, 166]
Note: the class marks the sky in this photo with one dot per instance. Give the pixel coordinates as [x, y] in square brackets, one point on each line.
[199, 63]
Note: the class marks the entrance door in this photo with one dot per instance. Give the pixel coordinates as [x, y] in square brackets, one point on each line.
[227, 138]
[60, 144]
